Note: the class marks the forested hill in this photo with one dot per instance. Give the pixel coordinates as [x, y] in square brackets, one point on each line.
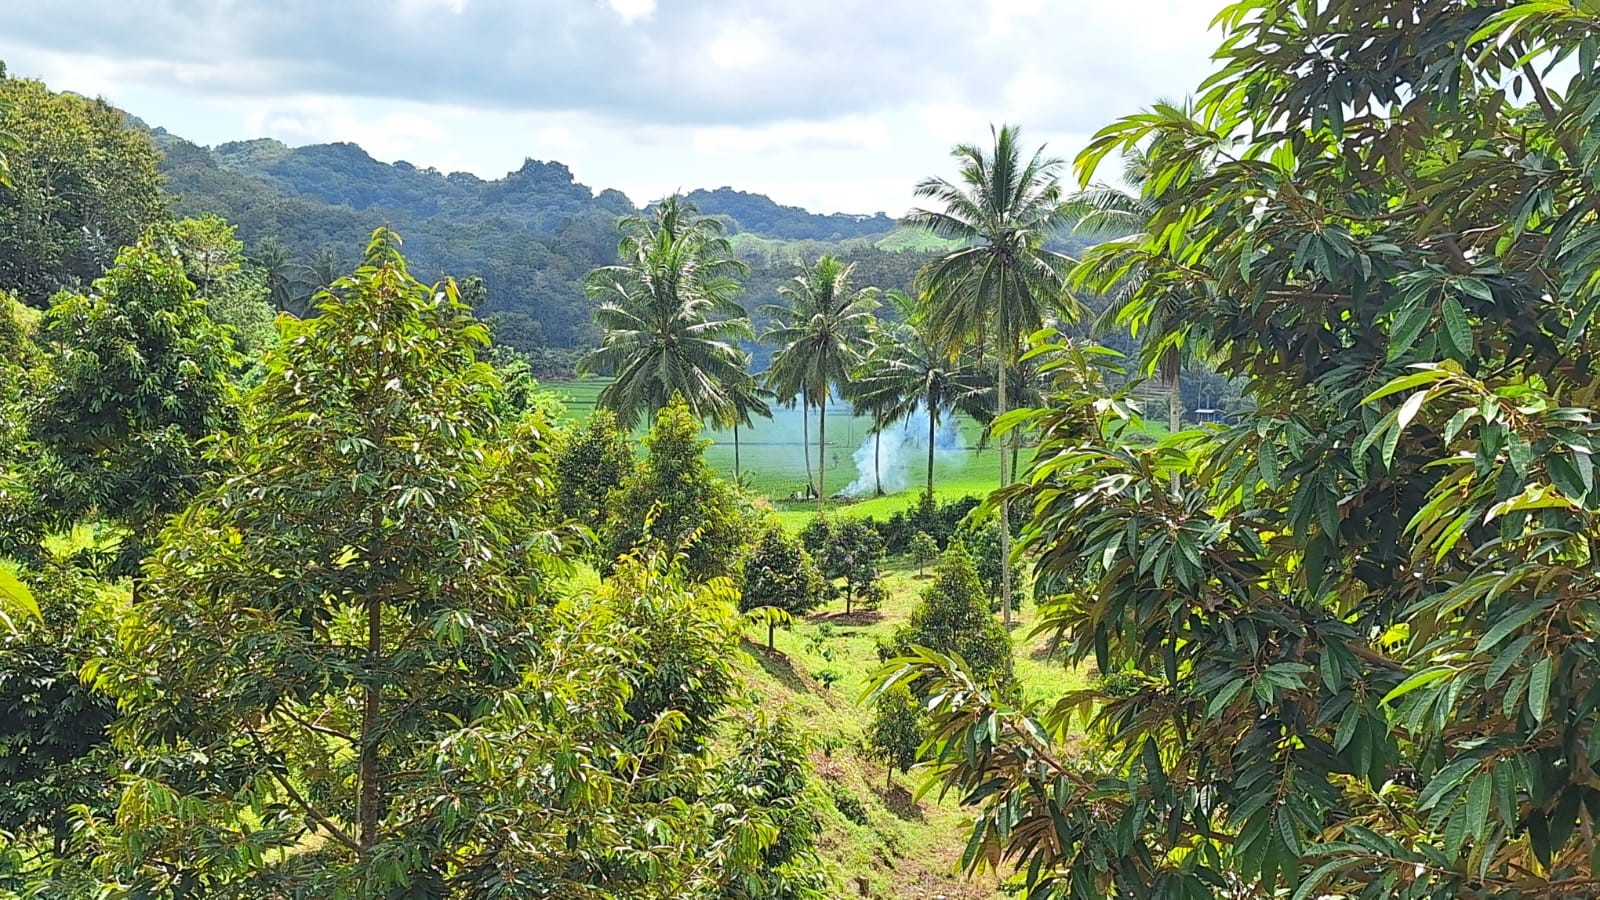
[531, 235]
[758, 213]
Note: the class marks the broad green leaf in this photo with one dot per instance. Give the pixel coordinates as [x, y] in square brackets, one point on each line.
[1457, 329]
[1539, 688]
[16, 594]
[1417, 681]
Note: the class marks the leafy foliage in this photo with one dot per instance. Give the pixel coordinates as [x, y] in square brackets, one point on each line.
[847, 549]
[669, 318]
[137, 381]
[778, 572]
[953, 618]
[55, 742]
[1350, 643]
[373, 502]
[821, 335]
[81, 185]
[898, 729]
[673, 500]
[1001, 283]
[924, 550]
[982, 542]
[592, 461]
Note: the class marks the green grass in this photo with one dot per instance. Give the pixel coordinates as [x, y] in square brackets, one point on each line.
[906, 849]
[771, 460]
[914, 240]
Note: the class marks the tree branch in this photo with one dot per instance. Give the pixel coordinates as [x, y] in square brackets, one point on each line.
[327, 824]
[1551, 114]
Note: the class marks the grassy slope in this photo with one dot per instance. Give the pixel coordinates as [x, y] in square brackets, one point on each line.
[906, 849]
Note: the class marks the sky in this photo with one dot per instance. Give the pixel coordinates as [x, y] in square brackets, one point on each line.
[833, 105]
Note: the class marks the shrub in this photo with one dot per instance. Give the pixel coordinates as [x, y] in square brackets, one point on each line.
[847, 803]
[953, 617]
[592, 462]
[762, 790]
[852, 552]
[778, 572]
[924, 550]
[983, 542]
[897, 730]
[675, 501]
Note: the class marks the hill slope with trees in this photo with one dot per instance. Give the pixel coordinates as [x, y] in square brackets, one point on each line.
[531, 236]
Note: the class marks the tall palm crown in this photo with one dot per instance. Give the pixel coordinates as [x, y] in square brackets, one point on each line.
[669, 317]
[908, 370]
[822, 336]
[1001, 284]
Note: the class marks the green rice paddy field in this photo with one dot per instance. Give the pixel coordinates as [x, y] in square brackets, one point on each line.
[770, 456]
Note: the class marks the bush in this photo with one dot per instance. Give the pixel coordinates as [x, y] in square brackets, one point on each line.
[897, 730]
[847, 803]
[924, 549]
[953, 617]
[763, 787]
[851, 550]
[983, 542]
[778, 572]
[939, 521]
[675, 501]
[592, 462]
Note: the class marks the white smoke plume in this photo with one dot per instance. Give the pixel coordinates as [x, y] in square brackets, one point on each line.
[901, 460]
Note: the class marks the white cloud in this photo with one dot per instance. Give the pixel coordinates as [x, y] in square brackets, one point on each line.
[841, 104]
[631, 11]
[847, 134]
[738, 47]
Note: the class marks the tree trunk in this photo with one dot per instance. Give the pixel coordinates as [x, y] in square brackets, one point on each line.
[877, 458]
[736, 451]
[805, 437]
[822, 446]
[371, 795]
[1172, 368]
[770, 628]
[1005, 508]
[933, 427]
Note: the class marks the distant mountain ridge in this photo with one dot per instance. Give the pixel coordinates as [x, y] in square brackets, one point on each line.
[760, 214]
[531, 235]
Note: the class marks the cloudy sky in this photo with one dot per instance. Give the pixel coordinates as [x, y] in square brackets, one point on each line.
[836, 105]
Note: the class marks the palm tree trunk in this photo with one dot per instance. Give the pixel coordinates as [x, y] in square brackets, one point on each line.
[805, 437]
[877, 458]
[822, 445]
[736, 452]
[1005, 508]
[933, 427]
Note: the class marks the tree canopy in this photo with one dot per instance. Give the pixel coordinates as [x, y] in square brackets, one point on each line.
[1347, 653]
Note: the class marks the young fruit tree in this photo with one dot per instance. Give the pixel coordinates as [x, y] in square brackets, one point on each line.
[1358, 630]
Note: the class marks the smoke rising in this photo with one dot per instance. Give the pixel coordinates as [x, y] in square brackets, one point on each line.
[902, 458]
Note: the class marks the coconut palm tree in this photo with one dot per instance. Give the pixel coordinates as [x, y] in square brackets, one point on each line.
[750, 399]
[1001, 283]
[283, 275]
[821, 336]
[670, 324]
[908, 370]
